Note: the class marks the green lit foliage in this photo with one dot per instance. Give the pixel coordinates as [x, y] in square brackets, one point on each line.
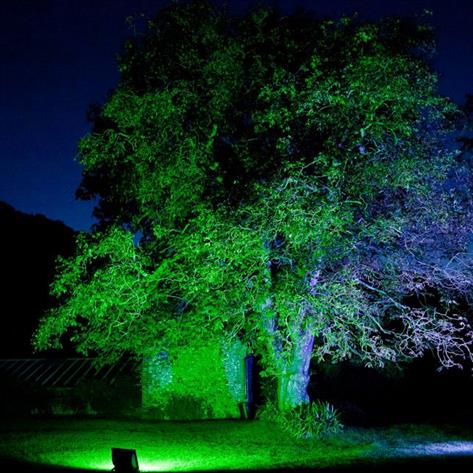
[106, 295]
[290, 179]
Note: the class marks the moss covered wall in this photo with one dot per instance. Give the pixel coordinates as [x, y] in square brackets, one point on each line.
[200, 382]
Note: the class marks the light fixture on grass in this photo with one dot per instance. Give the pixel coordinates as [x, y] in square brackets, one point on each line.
[124, 460]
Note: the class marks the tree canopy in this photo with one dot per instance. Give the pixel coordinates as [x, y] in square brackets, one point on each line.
[295, 186]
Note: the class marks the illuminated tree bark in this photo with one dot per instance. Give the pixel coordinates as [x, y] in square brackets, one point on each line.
[295, 375]
[291, 357]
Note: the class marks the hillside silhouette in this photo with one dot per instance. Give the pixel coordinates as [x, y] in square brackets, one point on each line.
[29, 246]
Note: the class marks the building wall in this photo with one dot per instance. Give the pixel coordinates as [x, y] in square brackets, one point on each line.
[202, 382]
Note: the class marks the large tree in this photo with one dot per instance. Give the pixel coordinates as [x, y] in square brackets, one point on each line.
[295, 187]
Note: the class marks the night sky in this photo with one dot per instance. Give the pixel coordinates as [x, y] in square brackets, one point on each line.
[59, 56]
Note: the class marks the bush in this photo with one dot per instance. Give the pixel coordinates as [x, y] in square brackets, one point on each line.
[186, 407]
[307, 421]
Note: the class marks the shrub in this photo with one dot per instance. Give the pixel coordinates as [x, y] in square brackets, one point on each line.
[186, 407]
[307, 421]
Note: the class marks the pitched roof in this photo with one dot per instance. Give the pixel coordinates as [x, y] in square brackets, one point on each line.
[63, 373]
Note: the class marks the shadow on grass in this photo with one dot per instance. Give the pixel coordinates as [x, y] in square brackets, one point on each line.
[452, 464]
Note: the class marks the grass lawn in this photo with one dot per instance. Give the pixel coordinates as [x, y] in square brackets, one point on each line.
[85, 444]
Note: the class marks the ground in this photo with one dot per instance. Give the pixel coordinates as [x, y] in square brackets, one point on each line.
[85, 444]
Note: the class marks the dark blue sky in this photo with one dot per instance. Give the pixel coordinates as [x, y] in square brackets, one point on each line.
[58, 56]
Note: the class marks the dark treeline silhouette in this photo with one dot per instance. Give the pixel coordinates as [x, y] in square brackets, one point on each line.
[417, 392]
[29, 246]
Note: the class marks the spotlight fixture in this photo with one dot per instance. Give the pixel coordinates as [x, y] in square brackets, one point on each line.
[124, 460]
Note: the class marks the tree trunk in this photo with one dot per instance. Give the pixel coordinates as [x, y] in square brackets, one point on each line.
[293, 371]
[295, 376]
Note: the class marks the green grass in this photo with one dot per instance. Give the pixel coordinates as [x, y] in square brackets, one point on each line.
[187, 446]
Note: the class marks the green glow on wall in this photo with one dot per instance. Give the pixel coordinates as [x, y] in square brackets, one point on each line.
[196, 383]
